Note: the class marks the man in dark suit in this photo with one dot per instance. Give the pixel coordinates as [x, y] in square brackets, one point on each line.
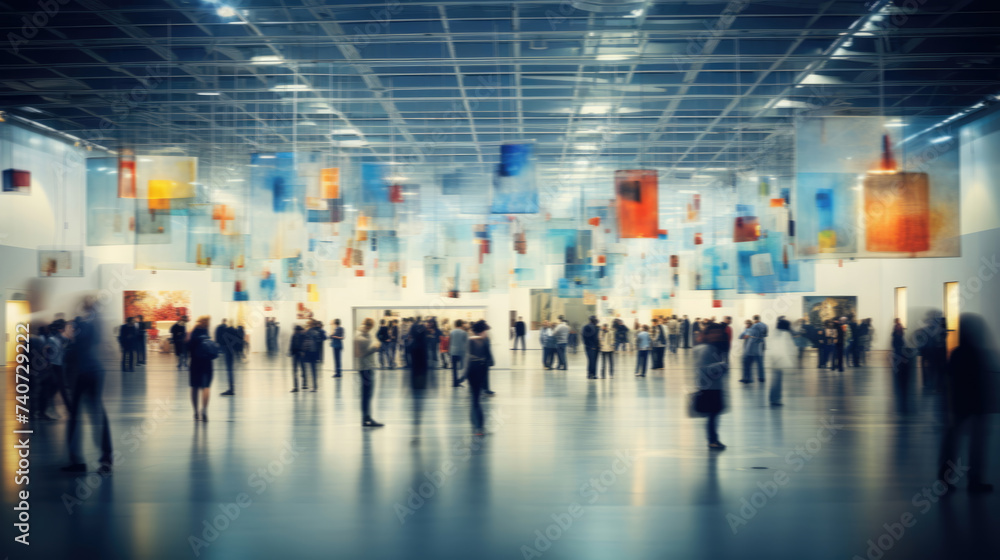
[126, 339]
[519, 331]
[226, 338]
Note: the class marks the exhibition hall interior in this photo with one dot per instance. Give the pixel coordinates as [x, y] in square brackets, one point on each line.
[500, 279]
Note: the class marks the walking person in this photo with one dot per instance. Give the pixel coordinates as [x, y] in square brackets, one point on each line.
[685, 331]
[242, 344]
[312, 347]
[745, 360]
[607, 351]
[781, 357]
[432, 340]
[126, 340]
[970, 399]
[520, 330]
[364, 361]
[202, 351]
[225, 337]
[296, 352]
[561, 334]
[480, 362]
[458, 347]
[419, 335]
[643, 343]
[337, 344]
[393, 342]
[673, 328]
[178, 334]
[445, 345]
[88, 390]
[710, 371]
[840, 344]
[56, 345]
[592, 345]
[659, 342]
[755, 350]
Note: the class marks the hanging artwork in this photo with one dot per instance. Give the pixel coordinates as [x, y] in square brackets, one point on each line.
[16, 181]
[514, 187]
[636, 198]
[110, 219]
[60, 263]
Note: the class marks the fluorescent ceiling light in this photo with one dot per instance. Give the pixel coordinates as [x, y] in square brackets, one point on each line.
[941, 139]
[595, 109]
[208, 93]
[290, 87]
[791, 104]
[307, 123]
[636, 13]
[226, 11]
[351, 143]
[339, 131]
[267, 59]
[31, 109]
[586, 147]
[613, 56]
[268, 156]
[688, 192]
[895, 124]
[234, 180]
[397, 179]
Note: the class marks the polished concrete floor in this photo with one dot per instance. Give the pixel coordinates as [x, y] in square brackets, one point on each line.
[571, 468]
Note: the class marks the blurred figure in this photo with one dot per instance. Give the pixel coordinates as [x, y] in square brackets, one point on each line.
[178, 334]
[225, 337]
[337, 345]
[364, 358]
[674, 333]
[970, 377]
[519, 331]
[685, 331]
[548, 341]
[573, 342]
[561, 334]
[755, 349]
[781, 357]
[88, 390]
[55, 382]
[127, 341]
[696, 331]
[853, 348]
[201, 349]
[607, 351]
[643, 343]
[432, 339]
[312, 349]
[480, 362]
[404, 340]
[931, 341]
[658, 340]
[747, 377]
[298, 358]
[382, 335]
[393, 342]
[242, 344]
[800, 335]
[727, 343]
[140, 341]
[828, 343]
[867, 336]
[458, 347]
[445, 345]
[592, 345]
[710, 370]
[418, 368]
[621, 334]
[271, 335]
[840, 344]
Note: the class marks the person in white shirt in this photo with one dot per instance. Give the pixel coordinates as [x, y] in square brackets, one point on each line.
[781, 356]
[607, 351]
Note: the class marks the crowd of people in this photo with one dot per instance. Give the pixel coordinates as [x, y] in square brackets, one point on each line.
[68, 366]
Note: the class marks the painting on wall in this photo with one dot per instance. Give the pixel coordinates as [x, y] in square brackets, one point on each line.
[820, 309]
[60, 263]
[546, 306]
[166, 305]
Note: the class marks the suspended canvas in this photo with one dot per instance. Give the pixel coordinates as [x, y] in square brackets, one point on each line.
[638, 208]
[57, 262]
[514, 187]
[110, 219]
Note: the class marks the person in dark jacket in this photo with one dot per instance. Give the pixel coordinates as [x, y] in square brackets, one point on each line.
[298, 358]
[418, 336]
[226, 338]
[970, 382]
[382, 335]
[178, 334]
[480, 362]
[520, 329]
[201, 367]
[87, 390]
[592, 345]
[141, 326]
[312, 347]
[126, 340]
[337, 345]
